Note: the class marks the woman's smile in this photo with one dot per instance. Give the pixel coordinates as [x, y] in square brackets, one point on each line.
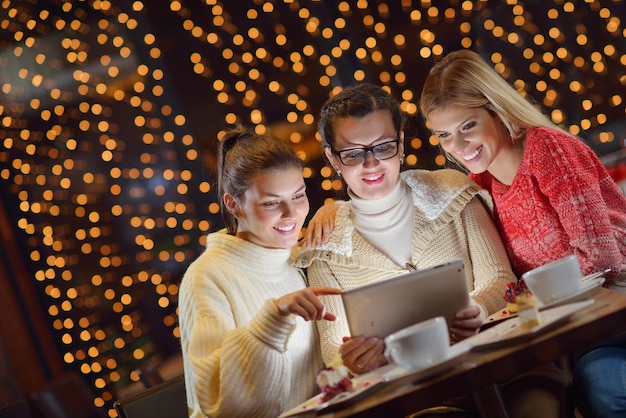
[287, 229]
[473, 156]
[373, 179]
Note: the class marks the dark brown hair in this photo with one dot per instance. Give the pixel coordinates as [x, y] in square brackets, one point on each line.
[356, 102]
[242, 155]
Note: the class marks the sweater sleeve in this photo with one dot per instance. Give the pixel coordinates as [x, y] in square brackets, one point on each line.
[490, 264]
[331, 332]
[235, 371]
[571, 178]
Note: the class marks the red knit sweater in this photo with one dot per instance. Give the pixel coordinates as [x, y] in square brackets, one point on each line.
[562, 201]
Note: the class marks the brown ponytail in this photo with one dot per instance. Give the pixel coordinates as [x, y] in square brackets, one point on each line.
[242, 155]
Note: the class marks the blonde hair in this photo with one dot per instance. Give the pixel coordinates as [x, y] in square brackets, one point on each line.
[463, 78]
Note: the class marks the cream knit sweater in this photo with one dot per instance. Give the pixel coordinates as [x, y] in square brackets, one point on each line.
[449, 222]
[241, 357]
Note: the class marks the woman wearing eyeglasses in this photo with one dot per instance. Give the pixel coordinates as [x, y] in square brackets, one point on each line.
[396, 221]
[415, 219]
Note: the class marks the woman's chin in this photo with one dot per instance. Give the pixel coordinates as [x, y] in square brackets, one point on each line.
[475, 168]
[288, 242]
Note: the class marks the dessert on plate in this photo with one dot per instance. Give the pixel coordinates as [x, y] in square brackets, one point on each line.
[527, 310]
[512, 291]
[334, 379]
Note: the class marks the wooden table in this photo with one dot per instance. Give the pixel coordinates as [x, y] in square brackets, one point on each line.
[479, 373]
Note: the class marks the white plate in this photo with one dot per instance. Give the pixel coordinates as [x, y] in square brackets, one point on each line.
[361, 384]
[587, 288]
[509, 331]
[375, 379]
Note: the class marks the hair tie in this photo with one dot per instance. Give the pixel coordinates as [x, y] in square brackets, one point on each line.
[229, 142]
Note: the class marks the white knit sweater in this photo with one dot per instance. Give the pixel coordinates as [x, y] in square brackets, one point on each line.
[449, 222]
[241, 357]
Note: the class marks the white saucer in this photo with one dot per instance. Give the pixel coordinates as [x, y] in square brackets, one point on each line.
[594, 275]
[417, 375]
[587, 288]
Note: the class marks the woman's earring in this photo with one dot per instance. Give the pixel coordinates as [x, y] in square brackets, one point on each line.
[402, 160]
[338, 173]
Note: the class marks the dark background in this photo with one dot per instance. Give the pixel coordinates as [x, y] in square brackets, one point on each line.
[110, 113]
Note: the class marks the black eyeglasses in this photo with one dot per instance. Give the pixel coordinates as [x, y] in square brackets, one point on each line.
[356, 156]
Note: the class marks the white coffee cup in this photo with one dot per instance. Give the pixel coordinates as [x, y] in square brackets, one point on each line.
[554, 281]
[420, 345]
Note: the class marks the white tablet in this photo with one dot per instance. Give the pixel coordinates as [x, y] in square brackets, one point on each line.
[379, 309]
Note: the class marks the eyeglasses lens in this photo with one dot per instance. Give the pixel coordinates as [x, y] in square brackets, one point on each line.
[381, 152]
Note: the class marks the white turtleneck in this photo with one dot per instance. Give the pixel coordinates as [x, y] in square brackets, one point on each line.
[387, 223]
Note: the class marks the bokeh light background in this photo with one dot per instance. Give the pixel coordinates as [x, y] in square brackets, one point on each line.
[110, 113]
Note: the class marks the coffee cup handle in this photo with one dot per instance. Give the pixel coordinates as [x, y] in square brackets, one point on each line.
[389, 354]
